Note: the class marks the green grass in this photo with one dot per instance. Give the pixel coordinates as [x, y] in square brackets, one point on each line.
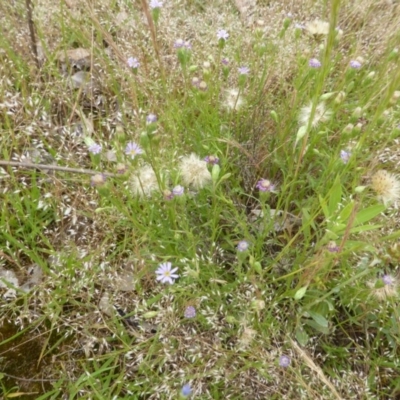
[87, 318]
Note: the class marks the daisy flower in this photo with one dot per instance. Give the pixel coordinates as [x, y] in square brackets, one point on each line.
[166, 274]
[133, 149]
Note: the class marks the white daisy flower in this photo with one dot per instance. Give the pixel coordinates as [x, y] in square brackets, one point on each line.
[166, 274]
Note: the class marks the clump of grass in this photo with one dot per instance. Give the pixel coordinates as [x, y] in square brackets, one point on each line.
[199, 206]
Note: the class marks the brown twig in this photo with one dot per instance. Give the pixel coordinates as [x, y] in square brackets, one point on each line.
[31, 25]
[55, 168]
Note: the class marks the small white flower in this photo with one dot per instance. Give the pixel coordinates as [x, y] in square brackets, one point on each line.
[166, 274]
[233, 100]
[321, 114]
[194, 171]
[386, 185]
[144, 182]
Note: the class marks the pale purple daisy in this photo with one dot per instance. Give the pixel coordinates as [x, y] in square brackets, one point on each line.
[95, 148]
[387, 280]
[243, 245]
[133, 62]
[265, 185]
[211, 160]
[244, 70]
[314, 63]
[345, 156]
[190, 312]
[155, 4]
[178, 190]
[222, 34]
[186, 390]
[133, 149]
[151, 118]
[284, 361]
[355, 64]
[181, 44]
[166, 274]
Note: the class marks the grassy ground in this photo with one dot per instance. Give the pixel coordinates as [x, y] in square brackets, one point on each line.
[285, 240]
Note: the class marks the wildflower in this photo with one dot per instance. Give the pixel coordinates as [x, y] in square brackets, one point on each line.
[194, 171]
[355, 64]
[386, 185]
[186, 390]
[181, 44]
[121, 168]
[321, 114]
[264, 185]
[203, 86]
[133, 149]
[314, 63]
[98, 180]
[384, 287]
[332, 247]
[155, 4]
[195, 81]
[225, 61]
[178, 190]
[284, 361]
[190, 312]
[222, 34]
[388, 280]
[317, 28]
[211, 160]
[233, 100]
[243, 245]
[144, 182]
[95, 148]
[345, 156]
[133, 62]
[244, 70]
[151, 118]
[168, 195]
[166, 274]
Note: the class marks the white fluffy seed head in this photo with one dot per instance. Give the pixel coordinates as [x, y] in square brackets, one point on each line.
[194, 171]
[144, 182]
[386, 185]
[321, 114]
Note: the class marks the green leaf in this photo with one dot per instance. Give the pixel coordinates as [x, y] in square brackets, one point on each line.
[317, 327]
[302, 336]
[300, 293]
[324, 207]
[335, 196]
[368, 213]
[319, 319]
[365, 228]
[346, 212]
